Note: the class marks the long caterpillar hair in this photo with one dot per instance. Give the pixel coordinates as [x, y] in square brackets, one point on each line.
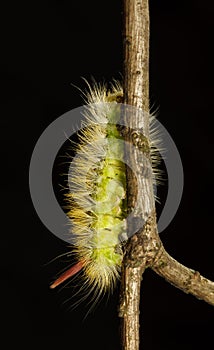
[96, 197]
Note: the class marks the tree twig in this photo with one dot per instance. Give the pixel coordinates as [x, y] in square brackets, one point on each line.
[184, 278]
[136, 93]
[144, 249]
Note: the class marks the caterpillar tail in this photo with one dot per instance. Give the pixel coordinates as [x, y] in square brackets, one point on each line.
[67, 274]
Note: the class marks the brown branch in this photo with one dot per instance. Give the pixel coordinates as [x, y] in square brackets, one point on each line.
[136, 93]
[129, 307]
[184, 278]
[144, 249]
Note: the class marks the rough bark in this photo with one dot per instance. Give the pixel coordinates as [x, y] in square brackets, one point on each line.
[184, 278]
[136, 93]
[144, 248]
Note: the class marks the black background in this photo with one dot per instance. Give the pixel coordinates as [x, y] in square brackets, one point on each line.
[45, 47]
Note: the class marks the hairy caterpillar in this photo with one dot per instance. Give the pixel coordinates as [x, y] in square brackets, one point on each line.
[97, 191]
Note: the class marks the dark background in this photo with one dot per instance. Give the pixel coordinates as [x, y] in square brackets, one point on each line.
[45, 47]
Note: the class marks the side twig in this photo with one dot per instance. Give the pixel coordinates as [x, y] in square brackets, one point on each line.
[186, 279]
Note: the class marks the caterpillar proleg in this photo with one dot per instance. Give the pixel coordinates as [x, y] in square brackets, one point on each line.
[96, 197]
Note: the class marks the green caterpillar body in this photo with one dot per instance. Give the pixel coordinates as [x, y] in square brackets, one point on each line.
[97, 191]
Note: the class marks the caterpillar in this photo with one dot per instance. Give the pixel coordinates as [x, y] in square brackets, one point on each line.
[96, 197]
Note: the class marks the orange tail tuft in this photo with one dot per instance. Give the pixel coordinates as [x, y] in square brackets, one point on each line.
[67, 274]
